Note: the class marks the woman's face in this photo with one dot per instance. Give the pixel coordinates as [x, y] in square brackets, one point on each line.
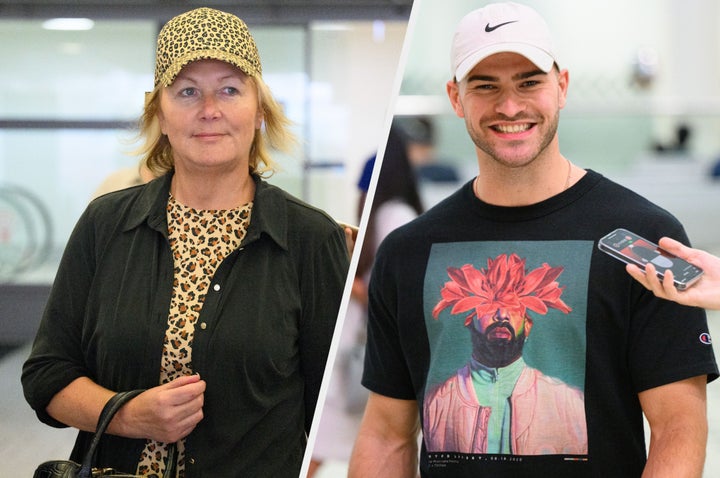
[210, 115]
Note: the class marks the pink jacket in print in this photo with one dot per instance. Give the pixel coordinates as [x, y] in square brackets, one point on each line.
[547, 416]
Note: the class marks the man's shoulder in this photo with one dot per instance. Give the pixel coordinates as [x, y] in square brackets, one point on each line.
[613, 202]
[444, 212]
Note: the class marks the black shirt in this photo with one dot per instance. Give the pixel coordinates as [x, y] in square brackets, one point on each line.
[261, 340]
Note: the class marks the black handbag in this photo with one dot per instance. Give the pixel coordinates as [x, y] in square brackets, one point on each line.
[71, 469]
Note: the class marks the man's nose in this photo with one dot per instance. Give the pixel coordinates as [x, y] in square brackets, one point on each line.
[509, 104]
[501, 315]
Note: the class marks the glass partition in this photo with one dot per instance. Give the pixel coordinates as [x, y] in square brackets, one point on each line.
[69, 105]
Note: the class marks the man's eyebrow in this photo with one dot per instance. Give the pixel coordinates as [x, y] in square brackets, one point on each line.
[529, 74]
[482, 78]
[519, 76]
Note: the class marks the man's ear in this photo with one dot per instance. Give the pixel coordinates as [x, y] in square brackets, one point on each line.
[453, 91]
[564, 84]
[528, 325]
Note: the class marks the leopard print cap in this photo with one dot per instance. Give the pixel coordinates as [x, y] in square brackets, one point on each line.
[200, 34]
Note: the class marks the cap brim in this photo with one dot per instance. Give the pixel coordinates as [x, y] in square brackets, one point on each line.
[538, 56]
[168, 77]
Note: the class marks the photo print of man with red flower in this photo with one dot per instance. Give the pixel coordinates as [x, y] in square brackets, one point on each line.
[494, 401]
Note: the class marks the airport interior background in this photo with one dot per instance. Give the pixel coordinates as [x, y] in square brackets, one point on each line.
[643, 108]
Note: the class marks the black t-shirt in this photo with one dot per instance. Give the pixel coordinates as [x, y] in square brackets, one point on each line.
[596, 333]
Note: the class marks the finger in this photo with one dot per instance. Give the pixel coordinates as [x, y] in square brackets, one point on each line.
[637, 274]
[187, 416]
[669, 284]
[173, 419]
[189, 413]
[675, 248]
[652, 278]
[192, 398]
[183, 380]
[668, 243]
[184, 431]
[665, 287]
[182, 390]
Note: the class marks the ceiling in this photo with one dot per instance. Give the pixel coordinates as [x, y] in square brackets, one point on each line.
[252, 11]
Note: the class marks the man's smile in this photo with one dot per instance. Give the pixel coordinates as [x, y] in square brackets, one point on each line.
[513, 128]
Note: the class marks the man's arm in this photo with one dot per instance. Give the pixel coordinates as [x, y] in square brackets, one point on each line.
[677, 414]
[386, 445]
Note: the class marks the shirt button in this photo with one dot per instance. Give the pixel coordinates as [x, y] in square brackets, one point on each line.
[203, 325]
[192, 461]
[216, 287]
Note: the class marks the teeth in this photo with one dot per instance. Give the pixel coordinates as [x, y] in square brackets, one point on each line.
[513, 128]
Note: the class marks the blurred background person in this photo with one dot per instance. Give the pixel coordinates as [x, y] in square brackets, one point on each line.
[420, 135]
[208, 287]
[680, 144]
[395, 201]
[124, 178]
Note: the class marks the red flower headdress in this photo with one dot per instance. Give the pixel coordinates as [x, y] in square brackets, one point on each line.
[503, 285]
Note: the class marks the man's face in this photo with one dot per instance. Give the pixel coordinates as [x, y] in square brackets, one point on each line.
[498, 338]
[503, 325]
[511, 107]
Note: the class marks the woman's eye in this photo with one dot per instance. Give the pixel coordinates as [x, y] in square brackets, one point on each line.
[187, 92]
[230, 90]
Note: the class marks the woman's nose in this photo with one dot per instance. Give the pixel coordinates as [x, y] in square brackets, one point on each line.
[210, 107]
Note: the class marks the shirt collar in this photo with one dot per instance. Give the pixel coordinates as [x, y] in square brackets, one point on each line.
[491, 375]
[269, 213]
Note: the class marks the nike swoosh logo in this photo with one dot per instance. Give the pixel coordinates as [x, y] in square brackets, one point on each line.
[489, 29]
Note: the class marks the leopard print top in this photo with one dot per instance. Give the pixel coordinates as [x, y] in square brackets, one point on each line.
[199, 241]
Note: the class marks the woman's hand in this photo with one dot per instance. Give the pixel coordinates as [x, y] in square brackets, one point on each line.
[705, 293]
[165, 413]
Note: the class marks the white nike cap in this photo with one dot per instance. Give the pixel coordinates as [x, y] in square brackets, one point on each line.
[501, 27]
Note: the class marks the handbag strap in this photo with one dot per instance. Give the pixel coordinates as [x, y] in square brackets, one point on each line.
[171, 462]
[106, 416]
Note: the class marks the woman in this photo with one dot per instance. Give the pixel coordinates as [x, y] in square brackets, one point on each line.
[211, 289]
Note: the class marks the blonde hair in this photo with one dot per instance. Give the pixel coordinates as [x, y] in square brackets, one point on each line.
[157, 154]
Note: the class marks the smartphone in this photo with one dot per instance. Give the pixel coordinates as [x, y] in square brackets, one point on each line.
[633, 249]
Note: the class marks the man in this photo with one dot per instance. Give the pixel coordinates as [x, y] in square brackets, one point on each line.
[629, 352]
[496, 403]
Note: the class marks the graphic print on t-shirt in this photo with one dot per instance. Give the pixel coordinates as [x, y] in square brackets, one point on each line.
[506, 326]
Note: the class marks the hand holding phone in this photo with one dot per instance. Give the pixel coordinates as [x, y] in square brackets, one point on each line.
[630, 248]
